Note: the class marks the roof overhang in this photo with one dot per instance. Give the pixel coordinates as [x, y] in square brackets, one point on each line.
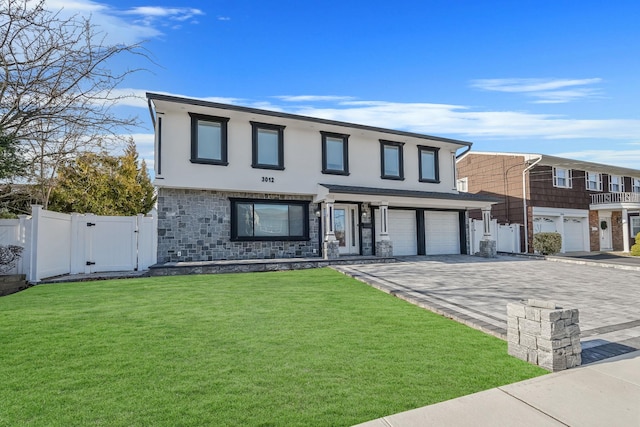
[403, 198]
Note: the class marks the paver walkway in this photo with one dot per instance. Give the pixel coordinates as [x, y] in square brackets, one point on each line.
[476, 291]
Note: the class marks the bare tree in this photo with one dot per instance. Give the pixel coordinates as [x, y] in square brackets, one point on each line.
[56, 87]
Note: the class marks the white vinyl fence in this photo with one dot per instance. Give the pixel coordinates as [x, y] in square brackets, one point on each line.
[56, 243]
[507, 236]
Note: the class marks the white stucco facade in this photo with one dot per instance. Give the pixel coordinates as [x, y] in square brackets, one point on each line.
[358, 192]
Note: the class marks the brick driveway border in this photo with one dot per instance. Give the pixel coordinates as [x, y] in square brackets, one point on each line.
[475, 291]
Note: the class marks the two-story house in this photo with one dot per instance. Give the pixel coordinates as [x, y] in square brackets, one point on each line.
[243, 183]
[595, 207]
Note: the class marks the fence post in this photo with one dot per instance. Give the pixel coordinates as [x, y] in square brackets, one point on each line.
[34, 271]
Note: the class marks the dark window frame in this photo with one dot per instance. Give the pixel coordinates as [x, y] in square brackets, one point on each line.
[234, 226]
[436, 163]
[223, 121]
[384, 143]
[345, 153]
[255, 127]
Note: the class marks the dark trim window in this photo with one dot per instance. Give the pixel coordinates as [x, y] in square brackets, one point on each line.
[159, 155]
[335, 153]
[428, 164]
[268, 146]
[391, 160]
[253, 219]
[208, 139]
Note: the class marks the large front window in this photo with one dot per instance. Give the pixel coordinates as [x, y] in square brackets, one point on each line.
[635, 185]
[335, 153]
[208, 139]
[593, 181]
[428, 164]
[616, 185]
[268, 146]
[269, 220]
[562, 178]
[391, 159]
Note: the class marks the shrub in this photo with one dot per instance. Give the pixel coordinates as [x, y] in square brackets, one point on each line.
[547, 243]
[635, 249]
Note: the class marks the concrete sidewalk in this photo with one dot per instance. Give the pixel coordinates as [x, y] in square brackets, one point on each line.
[606, 393]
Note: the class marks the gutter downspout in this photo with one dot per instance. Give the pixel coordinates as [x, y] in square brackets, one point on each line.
[524, 203]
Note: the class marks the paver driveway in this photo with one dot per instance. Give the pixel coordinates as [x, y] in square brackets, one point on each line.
[476, 291]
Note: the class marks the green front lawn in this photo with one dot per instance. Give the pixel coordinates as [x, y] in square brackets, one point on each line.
[309, 347]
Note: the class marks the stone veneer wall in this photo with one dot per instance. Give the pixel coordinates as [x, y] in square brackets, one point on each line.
[594, 231]
[197, 223]
[616, 231]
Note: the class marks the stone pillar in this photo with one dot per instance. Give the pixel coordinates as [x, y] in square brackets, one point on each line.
[625, 230]
[331, 249]
[384, 248]
[329, 222]
[488, 247]
[330, 246]
[543, 334]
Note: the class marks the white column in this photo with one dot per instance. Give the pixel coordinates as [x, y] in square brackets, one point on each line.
[560, 228]
[384, 221]
[486, 223]
[625, 230]
[329, 221]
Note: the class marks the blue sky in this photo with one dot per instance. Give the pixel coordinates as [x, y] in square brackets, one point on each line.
[553, 77]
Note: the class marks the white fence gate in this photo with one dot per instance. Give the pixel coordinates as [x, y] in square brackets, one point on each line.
[56, 243]
[507, 236]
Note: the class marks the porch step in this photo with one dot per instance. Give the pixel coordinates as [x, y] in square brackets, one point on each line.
[257, 265]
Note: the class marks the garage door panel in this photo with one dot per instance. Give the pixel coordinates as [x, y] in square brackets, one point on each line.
[574, 234]
[442, 233]
[403, 231]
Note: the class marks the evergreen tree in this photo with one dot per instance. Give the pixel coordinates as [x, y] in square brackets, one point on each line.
[103, 184]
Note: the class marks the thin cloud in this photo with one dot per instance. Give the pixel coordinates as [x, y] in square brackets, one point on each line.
[314, 98]
[448, 119]
[126, 25]
[546, 91]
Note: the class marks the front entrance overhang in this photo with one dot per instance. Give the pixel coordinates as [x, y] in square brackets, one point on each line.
[403, 198]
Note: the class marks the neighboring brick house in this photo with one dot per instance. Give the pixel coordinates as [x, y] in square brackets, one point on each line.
[595, 207]
[243, 183]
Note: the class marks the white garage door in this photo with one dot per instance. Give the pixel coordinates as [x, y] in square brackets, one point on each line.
[574, 234]
[403, 231]
[442, 233]
[544, 224]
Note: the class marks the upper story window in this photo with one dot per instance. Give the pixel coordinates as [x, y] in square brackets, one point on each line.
[635, 185]
[391, 160]
[616, 184]
[593, 181]
[208, 139]
[268, 146]
[335, 153]
[429, 170]
[462, 185]
[562, 178]
[269, 220]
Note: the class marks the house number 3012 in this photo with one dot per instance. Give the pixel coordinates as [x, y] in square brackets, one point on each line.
[268, 179]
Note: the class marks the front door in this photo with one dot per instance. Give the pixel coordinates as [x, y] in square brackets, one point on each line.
[346, 229]
[605, 234]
